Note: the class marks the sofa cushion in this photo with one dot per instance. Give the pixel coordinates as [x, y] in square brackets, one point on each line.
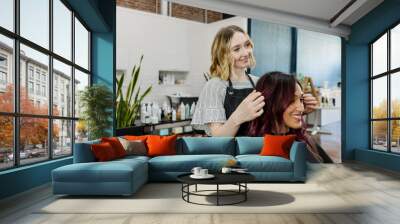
[161, 145]
[112, 171]
[116, 145]
[134, 147]
[103, 151]
[277, 145]
[185, 163]
[249, 145]
[257, 163]
[206, 145]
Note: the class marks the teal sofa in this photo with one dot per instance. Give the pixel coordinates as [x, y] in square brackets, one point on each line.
[125, 176]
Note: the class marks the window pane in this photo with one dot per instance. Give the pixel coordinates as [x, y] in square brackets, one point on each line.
[35, 21]
[62, 89]
[62, 138]
[6, 142]
[33, 139]
[7, 14]
[379, 55]
[395, 47]
[379, 97]
[379, 135]
[62, 29]
[6, 74]
[395, 95]
[81, 131]
[312, 51]
[274, 54]
[395, 138]
[34, 82]
[81, 81]
[81, 45]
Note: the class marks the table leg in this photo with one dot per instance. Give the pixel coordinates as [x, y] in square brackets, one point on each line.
[196, 188]
[245, 191]
[217, 194]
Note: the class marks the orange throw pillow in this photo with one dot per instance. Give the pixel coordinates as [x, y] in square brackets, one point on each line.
[277, 145]
[116, 145]
[134, 137]
[103, 152]
[161, 145]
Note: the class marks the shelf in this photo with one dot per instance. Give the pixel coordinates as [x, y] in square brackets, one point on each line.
[171, 77]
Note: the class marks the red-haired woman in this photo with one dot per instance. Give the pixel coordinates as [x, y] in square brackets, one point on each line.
[283, 110]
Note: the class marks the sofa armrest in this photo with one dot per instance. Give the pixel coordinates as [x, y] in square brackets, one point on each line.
[83, 152]
[298, 156]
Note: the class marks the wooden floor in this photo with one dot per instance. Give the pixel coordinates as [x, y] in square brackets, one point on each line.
[378, 188]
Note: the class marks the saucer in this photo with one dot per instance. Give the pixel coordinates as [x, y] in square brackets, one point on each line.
[208, 176]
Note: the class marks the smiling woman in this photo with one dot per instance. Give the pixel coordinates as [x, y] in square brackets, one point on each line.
[283, 110]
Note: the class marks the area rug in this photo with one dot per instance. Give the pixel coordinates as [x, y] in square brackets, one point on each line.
[167, 198]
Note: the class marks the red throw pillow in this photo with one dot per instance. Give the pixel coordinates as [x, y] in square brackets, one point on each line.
[116, 145]
[134, 137]
[103, 151]
[277, 145]
[161, 145]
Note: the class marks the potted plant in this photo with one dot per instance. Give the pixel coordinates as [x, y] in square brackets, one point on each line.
[128, 106]
[96, 102]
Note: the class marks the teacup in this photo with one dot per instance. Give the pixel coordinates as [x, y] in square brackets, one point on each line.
[226, 170]
[203, 172]
[196, 171]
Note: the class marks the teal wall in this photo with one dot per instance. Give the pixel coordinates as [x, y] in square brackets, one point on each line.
[24, 178]
[99, 16]
[357, 101]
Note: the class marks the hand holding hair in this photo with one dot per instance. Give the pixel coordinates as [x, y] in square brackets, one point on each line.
[249, 109]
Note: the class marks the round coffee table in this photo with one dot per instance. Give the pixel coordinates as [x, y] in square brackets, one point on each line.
[238, 179]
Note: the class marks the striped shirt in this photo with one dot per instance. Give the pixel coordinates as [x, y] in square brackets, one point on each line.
[210, 106]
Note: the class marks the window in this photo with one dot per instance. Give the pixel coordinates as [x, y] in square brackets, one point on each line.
[44, 91]
[81, 45]
[62, 29]
[3, 78]
[3, 71]
[7, 86]
[30, 87]
[34, 21]
[7, 14]
[38, 89]
[3, 61]
[385, 97]
[37, 74]
[54, 126]
[30, 72]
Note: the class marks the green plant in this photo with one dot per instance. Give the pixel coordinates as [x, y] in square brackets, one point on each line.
[128, 107]
[96, 102]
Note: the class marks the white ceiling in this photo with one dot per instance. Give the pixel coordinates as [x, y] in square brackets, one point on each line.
[314, 15]
[320, 9]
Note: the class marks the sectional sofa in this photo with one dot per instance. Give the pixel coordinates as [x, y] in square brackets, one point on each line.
[125, 176]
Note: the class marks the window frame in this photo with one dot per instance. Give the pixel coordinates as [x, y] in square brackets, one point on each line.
[388, 74]
[15, 71]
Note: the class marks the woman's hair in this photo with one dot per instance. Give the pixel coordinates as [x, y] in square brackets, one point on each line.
[221, 61]
[278, 90]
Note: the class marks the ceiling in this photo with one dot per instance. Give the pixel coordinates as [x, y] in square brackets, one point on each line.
[317, 15]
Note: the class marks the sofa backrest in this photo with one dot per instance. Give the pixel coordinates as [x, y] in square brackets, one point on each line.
[206, 145]
[249, 145]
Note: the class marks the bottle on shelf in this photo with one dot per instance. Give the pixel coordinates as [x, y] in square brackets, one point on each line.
[192, 108]
[143, 113]
[182, 110]
[173, 114]
[187, 111]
